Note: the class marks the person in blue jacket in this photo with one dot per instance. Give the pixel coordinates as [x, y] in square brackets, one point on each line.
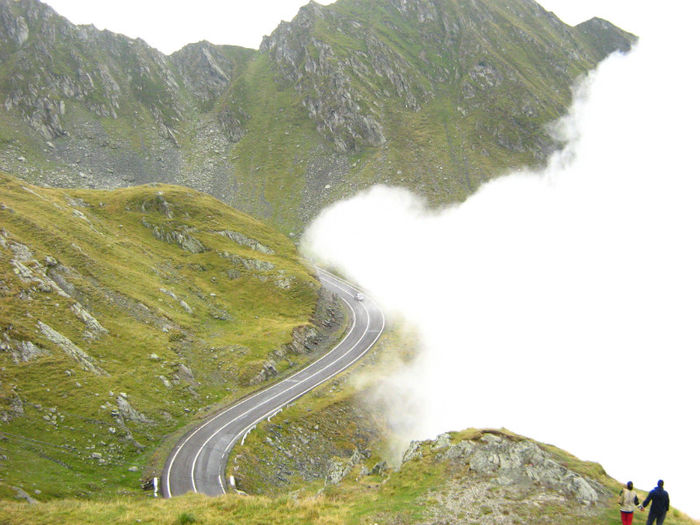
[660, 503]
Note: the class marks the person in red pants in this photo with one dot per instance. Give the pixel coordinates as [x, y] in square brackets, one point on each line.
[629, 501]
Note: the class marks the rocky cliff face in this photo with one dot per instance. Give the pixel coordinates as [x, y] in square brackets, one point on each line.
[349, 60]
[432, 95]
[56, 65]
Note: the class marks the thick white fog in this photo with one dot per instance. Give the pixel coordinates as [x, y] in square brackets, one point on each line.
[565, 304]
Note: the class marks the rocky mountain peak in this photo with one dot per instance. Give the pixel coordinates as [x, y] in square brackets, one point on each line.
[345, 58]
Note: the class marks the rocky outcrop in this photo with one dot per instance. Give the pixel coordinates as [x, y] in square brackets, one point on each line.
[27, 268]
[246, 241]
[346, 82]
[42, 92]
[128, 413]
[304, 339]
[324, 447]
[268, 371]
[73, 351]
[186, 307]
[338, 469]
[11, 406]
[499, 475]
[205, 70]
[93, 328]
[252, 265]
[313, 67]
[21, 351]
[158, 204]
[181, 236]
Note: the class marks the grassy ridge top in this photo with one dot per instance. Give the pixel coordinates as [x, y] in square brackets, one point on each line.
[124, 314]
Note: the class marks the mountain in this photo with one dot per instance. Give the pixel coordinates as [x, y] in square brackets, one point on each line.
[436, 95]
[125, 315]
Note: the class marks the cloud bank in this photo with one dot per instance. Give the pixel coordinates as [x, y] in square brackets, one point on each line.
[563, 304]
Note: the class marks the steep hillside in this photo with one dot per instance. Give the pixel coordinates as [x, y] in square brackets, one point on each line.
[436, 95]
[126, 314]
[327, 460]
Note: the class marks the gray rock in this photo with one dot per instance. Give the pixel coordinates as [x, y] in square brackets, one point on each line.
[181, 237]
[378, 469]
[304, 339]
[283, 280]
[255, 265]
[21, 494]
[168, 293]
[185, 373]
[460, 451]
[268, 371]
[185, 306]
[442, 441]
[338, 469]
[518, 462]
[22, 351]
[413, 451]
[65, 344]
[246, 241]
[93, 329]
[12, 409]
[129, 413]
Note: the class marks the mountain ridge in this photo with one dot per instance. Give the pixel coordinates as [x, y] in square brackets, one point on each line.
[436, 96]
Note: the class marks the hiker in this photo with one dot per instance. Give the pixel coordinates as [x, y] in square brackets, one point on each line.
[628, 501]
[660, 504]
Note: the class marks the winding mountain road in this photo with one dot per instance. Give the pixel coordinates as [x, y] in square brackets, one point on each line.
[198, 462]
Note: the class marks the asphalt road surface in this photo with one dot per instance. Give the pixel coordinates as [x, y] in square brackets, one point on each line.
[198, 462]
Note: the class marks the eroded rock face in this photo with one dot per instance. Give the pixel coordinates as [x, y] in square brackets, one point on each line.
[499, 476]
[181, 236]
[70, 348]
[129, 413]
[21, 351]
[524, 462]
[246, 241]
[268, 371]
[11, 407]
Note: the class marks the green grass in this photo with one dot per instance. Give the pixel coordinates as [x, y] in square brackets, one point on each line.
[117, 268]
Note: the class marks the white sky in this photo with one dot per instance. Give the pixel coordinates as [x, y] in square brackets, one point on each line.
[170, 24]
[577, 288]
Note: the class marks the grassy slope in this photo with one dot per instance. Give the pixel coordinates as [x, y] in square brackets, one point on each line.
[117, 268]
[402, 496]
